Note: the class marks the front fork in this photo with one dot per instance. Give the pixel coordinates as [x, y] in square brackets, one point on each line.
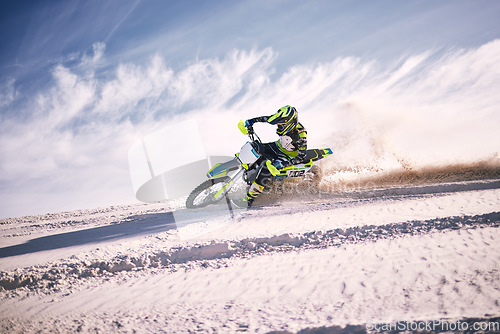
[248, 176]
[228, 185]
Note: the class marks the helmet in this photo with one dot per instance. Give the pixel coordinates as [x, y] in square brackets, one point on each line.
[286, 118]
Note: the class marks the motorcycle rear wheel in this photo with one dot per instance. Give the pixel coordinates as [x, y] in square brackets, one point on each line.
[202, 195]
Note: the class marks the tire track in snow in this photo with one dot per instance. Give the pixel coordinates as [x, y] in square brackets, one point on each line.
[64, 274]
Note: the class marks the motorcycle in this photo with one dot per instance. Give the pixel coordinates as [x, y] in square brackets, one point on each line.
[246, 166]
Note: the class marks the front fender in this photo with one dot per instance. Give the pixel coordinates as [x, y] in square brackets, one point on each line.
[222, 169]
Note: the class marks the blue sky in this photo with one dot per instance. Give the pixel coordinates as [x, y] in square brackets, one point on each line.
[36, 35]
[81, 80]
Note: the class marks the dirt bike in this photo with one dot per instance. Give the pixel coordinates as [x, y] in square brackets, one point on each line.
[246, 165]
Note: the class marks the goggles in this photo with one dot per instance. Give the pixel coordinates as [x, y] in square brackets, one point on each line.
[284, 127]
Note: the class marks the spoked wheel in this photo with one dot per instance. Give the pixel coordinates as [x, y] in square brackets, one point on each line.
[203, 195]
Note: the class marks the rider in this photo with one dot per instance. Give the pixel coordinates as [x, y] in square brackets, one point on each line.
[289, 150]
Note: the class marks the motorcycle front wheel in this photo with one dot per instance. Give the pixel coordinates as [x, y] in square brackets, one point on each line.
[203, 195]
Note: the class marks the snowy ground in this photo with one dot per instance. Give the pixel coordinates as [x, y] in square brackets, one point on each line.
[325, 263]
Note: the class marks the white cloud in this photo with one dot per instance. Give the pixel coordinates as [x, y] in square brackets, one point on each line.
[7, 93]
[98, 49]
[132, 85]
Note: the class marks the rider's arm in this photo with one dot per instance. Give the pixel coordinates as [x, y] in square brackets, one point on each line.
[251, 121]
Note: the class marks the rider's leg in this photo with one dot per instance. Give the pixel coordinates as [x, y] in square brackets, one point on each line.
[258, 186]
[264, 177]
[254, 191]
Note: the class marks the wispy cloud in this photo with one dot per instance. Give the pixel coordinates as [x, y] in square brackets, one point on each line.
[7, 92]
[98, 49]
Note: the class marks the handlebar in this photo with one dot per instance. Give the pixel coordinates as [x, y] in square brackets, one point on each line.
[248, 131]
[253, 136]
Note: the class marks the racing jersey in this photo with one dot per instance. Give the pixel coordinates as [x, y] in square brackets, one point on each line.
[293, 144]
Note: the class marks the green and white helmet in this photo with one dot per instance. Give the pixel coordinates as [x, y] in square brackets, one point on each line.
[286, 118]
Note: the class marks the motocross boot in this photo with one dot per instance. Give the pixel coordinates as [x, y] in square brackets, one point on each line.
[254, 191]
[247, 201]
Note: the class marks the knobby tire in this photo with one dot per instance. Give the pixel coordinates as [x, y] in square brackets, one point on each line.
[202, 187]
